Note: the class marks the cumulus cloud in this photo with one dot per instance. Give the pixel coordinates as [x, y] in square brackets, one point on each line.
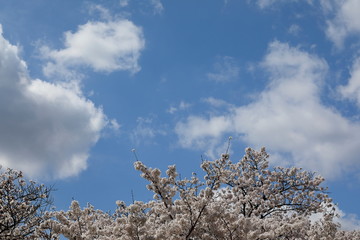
[203, 133]
[46, 129]
[342, 17]
[348, 222]
[225, 69]
[288, 117]
[352, 89]
[346, 21]
[103, 46]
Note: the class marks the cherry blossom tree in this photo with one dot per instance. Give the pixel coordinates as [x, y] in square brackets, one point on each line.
[22, 205]
[78, 224]
[246, 199]
[241, 200]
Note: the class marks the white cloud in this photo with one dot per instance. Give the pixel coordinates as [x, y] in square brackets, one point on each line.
[348, 222]
[103, 46]
[216, 102]
[287, 117]
[346, 21]
[182, 106]
[204, 134]
[268, 3]
[46, 129]
[114, 125]
[157, 5]
[145, 131]
[327, 6]
[294, 29]
[352, 89]
[124, 3]
[225, 69]
[342, 17]
[102, 11]
[265, 3]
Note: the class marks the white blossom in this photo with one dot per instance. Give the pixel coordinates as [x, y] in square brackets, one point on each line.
[241, 200]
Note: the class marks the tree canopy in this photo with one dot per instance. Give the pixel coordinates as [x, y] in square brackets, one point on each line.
[245, 199]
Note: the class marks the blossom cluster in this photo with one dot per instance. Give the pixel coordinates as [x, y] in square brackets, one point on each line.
[242, 200]
[22, 205]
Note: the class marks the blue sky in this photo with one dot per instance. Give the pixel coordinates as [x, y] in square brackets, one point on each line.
[84, 82]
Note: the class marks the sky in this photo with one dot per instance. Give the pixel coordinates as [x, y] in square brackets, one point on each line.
[82, 83]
